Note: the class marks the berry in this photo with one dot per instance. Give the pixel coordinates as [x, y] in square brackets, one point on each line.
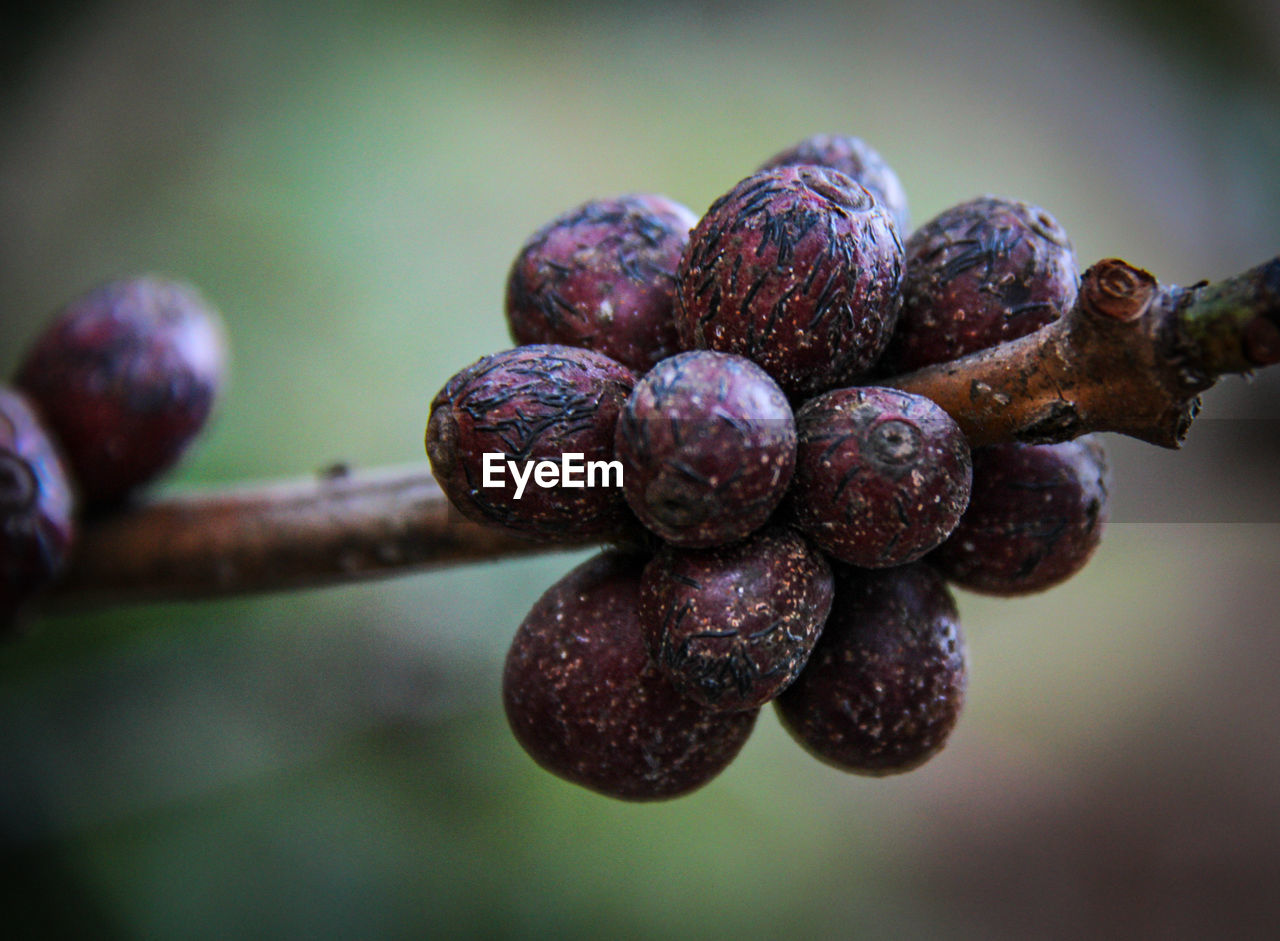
[1035, 517]
[533, 403]
[798, 269]
[981, 273]
[587, 704]
[707, 443]
[602, 276]
[733, 626]
[125, 378]
[37, 527]
[853, 157]
[885, 685]
[882, 476]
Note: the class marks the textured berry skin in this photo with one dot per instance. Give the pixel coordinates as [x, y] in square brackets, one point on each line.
[886, 683]
[587, 704]
[981, 273]
[125, 378]
[882, 476]
[1035, 518]
[797, 268]
[857, 160]
[602, 276]
[532, 403]
[732, 626]
[708, 446]
[37, 525]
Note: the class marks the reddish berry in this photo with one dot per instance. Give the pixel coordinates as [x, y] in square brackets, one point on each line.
[853, 157]
[885, 685]
[733, 626]
[125, 378]
[707, 443]
[37, 524]
[1035, 518]
[602, 276]
[532, 404]
[587, 704]
[882, 476]
[798, 269]
[981, 273]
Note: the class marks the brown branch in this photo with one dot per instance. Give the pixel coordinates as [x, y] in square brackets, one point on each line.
[1131, 357]
[323, 530]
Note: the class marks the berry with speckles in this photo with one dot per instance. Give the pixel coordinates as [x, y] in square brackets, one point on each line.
[587, 704]
[857, 160]
[707, 443]
[37, 525]
[984, 272]
[531, 404]
[797, 268]
[125, 378]
[1035, 518]
[602, 276]
[885, 684]
[733, 626]
[882, 476]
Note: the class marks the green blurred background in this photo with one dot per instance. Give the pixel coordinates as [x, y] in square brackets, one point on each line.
[348, 182]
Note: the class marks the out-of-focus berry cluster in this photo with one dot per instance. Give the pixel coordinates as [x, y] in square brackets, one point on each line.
[784, 527]
[107, 398]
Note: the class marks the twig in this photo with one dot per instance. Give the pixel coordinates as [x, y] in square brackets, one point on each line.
[322, 530]
[1132, 357]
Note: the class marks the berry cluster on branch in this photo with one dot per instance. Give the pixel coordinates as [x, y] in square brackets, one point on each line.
[820, 423]
[797, 484]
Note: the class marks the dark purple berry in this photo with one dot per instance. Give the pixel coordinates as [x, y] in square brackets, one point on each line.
[125, 378]
[885, 685]
[1035, 517]
[707, 443]
[798, 269]
[733, 626]
[853, 157]
[587, 704]
[37, 525]
[981, 273]
[882, 476]
[533, 406]
[602, 276]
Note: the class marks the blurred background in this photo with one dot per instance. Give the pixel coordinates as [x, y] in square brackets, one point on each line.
[348, 182]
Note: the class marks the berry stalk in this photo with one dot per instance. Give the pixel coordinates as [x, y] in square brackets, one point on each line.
[1131, 356]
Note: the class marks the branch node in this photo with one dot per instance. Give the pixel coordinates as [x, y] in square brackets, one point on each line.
[1116, 290]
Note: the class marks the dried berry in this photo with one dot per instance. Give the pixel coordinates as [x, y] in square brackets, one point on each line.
[602, 276]
[525, 407]
[37, 524]
[853, 157]
[125, 378]
[885, 685]
[1035, 517]
[587, 704]
[733, 626]
[981, 273]
[798, 269]
[707, 443]
[882, 476]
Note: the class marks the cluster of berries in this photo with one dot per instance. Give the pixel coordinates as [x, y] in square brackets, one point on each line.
[107, 398]
[786, 522]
